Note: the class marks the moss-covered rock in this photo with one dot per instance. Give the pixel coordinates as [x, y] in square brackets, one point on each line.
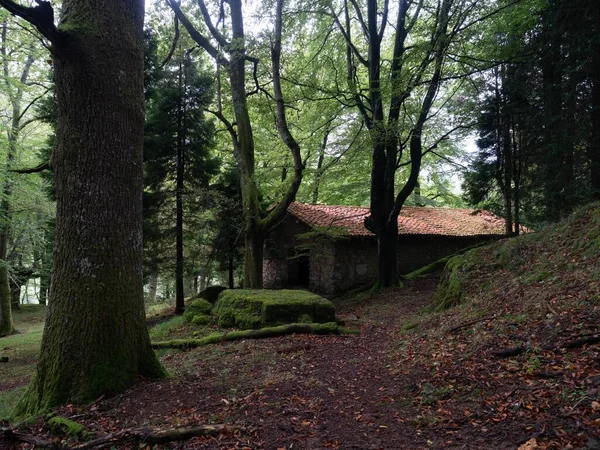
[63, 426]
[198, 307]
[253, 309]
[449, 291]
[211, 293]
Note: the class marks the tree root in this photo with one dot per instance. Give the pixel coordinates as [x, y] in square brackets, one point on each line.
[577, 343]
[294, 328]
[145, 435]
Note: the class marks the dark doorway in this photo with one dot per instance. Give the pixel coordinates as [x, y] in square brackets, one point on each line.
[299, 271]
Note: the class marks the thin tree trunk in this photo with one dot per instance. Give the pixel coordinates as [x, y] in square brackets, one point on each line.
[319, 170]
[6, 321]
[152, 288]
[15, 97]
[231, 283]
[179, 292]
[95, 338]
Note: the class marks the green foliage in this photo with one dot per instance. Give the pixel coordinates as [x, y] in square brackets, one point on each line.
[164, 329]
[251, 309]
[178, 156]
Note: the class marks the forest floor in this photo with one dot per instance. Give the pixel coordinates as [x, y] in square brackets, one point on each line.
[516, 365]
[400, 384]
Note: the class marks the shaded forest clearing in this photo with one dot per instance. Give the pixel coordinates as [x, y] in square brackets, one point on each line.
[516, 364]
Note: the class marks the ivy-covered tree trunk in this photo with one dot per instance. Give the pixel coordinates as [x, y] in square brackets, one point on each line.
[95, 339]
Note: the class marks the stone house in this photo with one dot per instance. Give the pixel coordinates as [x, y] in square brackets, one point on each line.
[327, 249]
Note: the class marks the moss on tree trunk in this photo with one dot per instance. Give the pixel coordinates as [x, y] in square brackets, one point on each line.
[95, 339]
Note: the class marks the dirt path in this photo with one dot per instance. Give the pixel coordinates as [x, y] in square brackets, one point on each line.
[379, 390]
[304, 392]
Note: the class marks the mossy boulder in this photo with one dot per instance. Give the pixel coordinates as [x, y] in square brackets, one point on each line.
[449, 292]
[197, 308]
[211, 293]
[253, 309]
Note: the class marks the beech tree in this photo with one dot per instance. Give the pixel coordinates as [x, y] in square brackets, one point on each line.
[396, 70]
[230, 53]
[95, 339]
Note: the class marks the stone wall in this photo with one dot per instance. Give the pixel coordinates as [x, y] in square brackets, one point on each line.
[415, 252]
[338, 266]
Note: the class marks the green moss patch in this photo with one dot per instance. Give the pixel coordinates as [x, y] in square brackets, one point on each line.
[263, 333]
[449, 291]
[253, 309]
[63, 426]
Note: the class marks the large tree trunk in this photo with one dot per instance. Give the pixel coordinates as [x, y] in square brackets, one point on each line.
[253, 262]
[95, 339]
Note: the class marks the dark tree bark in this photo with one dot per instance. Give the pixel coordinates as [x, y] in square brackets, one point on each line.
[231, 281]
[595, 76]
[95, 339]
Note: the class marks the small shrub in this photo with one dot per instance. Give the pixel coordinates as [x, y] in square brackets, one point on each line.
[247, 309]
[198, 307]
[201, 319]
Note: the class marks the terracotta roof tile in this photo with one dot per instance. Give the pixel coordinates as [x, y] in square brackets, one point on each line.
[412, 220]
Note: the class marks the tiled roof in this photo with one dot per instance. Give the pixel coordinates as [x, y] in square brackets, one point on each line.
[427, 221]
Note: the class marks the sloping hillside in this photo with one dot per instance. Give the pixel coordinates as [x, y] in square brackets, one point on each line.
[516, 333]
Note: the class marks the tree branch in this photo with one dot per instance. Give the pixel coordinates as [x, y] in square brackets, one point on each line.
[40, 16]
[40, 168]
[200, 39]
[282, 125]
[207, 20]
